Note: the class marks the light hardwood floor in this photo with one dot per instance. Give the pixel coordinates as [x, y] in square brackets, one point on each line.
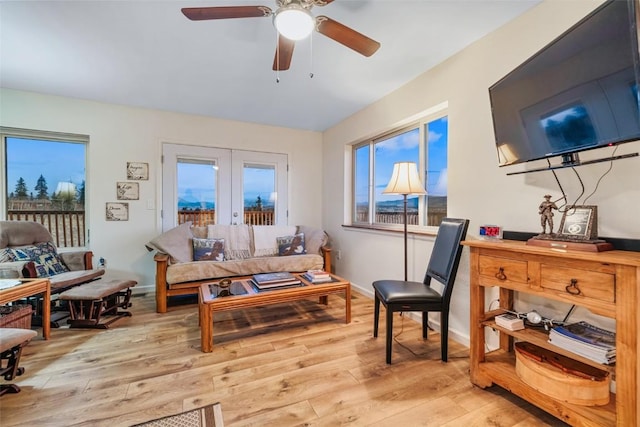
[285, 365]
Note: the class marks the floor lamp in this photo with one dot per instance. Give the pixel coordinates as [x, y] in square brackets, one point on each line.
[405, 180]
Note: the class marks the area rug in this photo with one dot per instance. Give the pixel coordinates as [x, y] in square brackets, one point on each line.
[207, 416]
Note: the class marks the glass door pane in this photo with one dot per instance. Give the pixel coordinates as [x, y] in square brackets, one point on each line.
[260, 188]
[196, 185]
[197, 181]
[259, 194]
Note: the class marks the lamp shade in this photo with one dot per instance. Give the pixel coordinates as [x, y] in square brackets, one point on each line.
[404, 180]
[294, 22]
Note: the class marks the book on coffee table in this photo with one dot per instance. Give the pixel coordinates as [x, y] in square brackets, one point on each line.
[276, 285]
[266, 278]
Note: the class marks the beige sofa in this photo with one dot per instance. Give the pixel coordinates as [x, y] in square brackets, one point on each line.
[188, 256]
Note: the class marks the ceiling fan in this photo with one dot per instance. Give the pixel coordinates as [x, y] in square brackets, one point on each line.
[293, 21]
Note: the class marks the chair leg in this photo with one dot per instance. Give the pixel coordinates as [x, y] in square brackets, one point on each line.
[389, 334]
[444, 335]
[376, 315]
[425, 325]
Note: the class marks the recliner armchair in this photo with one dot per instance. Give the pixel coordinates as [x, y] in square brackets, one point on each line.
[27, 250]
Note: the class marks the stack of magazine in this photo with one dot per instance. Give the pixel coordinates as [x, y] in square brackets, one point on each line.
[274, 280]
[586, 340]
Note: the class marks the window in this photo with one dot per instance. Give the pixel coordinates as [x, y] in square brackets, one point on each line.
[46, 182]
[424, 143]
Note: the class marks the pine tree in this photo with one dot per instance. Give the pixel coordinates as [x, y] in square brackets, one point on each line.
[41, 188]
[80, 193]
[21, 188]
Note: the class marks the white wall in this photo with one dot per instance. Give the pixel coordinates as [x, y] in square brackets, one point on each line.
[478, 189]
[119, 134]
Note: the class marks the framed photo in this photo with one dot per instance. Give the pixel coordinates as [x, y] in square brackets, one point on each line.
[117, 211]
[128, 190]
[137, 171]
[580, 223]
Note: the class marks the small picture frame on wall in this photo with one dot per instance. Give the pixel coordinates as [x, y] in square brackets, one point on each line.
[117, 211]
[580, 223]
[128, 191]
[137, 171]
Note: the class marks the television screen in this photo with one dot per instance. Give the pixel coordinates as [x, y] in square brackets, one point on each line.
[577, 93]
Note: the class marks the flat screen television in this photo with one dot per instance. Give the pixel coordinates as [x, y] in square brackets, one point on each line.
[580, 92]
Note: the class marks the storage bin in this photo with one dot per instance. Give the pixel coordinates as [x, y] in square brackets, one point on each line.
[15, 316]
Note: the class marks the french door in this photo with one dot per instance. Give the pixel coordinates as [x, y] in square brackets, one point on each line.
[220, 186]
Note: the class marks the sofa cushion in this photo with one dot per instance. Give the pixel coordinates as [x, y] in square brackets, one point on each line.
[291, 245]
[265, 238]
[5, 255]
[314, 238]
[203, 270]
[208, 249]
[237, 239]
[176, 243]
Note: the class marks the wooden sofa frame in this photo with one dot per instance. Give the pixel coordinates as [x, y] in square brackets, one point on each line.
[165, 290]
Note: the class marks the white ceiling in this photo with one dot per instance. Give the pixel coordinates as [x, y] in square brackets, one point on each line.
[147, 54]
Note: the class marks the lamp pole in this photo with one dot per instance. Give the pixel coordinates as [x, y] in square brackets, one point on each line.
[405, 237]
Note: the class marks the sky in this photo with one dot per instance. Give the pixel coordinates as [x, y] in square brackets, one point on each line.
[55, 161]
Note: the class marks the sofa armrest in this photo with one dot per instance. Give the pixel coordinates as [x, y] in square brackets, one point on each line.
[162, 262]
[77, 260]
[326, 254]
[12, 269]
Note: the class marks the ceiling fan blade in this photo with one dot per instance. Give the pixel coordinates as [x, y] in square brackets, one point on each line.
[321, 2]
[284, 53]
[225, 12]
[346, 36]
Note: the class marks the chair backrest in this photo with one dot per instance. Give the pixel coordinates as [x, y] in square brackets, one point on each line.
[445, 257]
[22, 233]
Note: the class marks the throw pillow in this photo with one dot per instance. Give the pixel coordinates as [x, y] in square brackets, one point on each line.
[208, 249]
[291, 245]
[175, 242]
[47, 265]
[6, 255]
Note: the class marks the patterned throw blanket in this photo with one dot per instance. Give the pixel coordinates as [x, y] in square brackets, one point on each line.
[265, 238]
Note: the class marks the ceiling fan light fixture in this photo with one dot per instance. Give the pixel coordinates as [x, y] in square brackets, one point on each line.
[293, 22]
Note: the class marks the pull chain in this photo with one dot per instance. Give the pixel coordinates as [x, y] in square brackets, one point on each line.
[311, 55]
[277, 57]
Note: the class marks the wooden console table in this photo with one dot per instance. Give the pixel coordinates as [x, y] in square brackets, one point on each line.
[605, 283]
[243, 295]
[28, 288]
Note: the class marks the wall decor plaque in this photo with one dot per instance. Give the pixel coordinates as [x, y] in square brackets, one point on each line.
[137, 171]
[128, 191]
[117, 211]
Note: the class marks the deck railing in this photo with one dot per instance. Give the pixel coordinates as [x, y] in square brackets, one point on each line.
[208, 216]
[66, 227]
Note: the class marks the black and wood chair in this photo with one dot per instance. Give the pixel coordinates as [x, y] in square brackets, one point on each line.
[406, 296]
[11, 342]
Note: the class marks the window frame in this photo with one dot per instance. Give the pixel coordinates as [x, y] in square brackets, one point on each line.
[11, 132]
[421, 124]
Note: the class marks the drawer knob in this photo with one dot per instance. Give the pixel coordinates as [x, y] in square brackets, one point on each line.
[573, 288]
[500, 274]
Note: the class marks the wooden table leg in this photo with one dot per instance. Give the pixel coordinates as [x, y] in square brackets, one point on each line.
[206, 328]
[46, 312]
[347, 303]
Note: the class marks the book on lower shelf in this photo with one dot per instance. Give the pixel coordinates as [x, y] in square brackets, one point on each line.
[586, 340]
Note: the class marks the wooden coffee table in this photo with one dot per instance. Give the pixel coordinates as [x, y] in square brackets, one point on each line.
[28, 288]
[211, 298]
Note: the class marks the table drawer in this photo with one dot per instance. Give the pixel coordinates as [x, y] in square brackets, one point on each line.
[503, 269]
[592, 285]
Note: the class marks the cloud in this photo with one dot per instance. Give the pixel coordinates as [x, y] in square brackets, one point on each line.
[405, 141]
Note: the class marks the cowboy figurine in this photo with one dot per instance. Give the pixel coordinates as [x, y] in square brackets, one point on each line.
[546, 214]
